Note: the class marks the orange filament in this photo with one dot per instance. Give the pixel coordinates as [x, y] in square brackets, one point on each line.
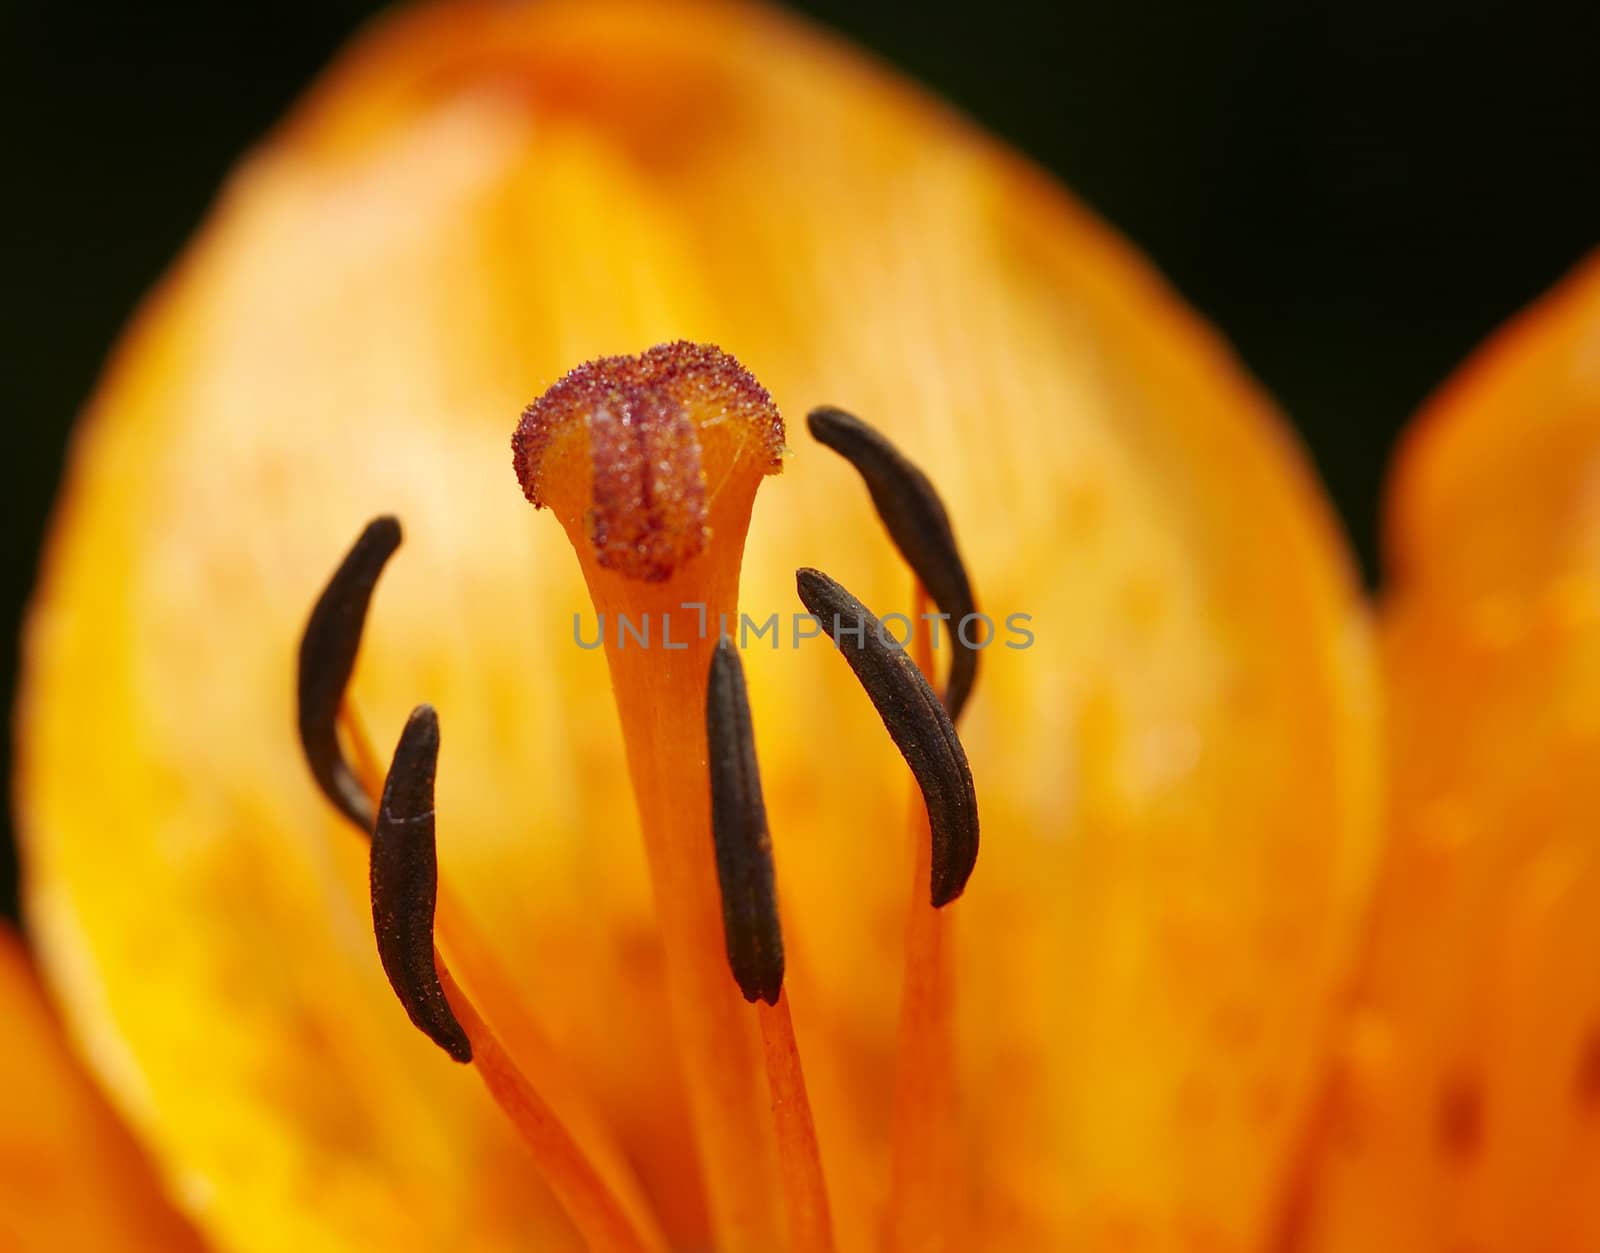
[605, 1222]
[363, 760]
[805, 1195]
[925, 1182]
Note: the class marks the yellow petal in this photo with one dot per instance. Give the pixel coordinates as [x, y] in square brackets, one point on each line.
[70, 1175]
[1468, 1110]
[1176, 778]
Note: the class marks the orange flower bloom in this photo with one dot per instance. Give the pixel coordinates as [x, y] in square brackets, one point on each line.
[1205, 989]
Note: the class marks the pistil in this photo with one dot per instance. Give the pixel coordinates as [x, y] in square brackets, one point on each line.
[651, 464]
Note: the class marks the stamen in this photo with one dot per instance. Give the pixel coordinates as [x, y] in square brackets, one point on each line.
[916, 722]
[405, 884]
[755, 941]
[457, 938]
[328, 648]
[924, 1208]
[577, 1154]
[919, 525]
[739, 833]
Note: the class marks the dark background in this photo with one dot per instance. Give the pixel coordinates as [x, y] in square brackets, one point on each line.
[1354, 192]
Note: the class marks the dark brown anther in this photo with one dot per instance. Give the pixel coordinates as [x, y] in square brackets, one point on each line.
[405, 884]
[739, 832]
[328, 649]
[918, 524]
[917, 722]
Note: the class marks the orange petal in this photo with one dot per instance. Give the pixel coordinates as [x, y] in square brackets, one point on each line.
[1468, 1110]
[1495, 487]
[1175, 778]
[70, 1175]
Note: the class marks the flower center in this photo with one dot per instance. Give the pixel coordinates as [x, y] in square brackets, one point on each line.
[651, 464]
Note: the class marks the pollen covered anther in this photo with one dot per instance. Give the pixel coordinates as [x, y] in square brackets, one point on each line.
[405, 885]
[739, 833]
[630, 451]
[919, 525]
[328, 648]
[917, 722]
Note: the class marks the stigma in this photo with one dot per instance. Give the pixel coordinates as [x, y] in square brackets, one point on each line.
[635, 454]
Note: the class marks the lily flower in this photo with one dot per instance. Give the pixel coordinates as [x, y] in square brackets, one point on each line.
[701, 938]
